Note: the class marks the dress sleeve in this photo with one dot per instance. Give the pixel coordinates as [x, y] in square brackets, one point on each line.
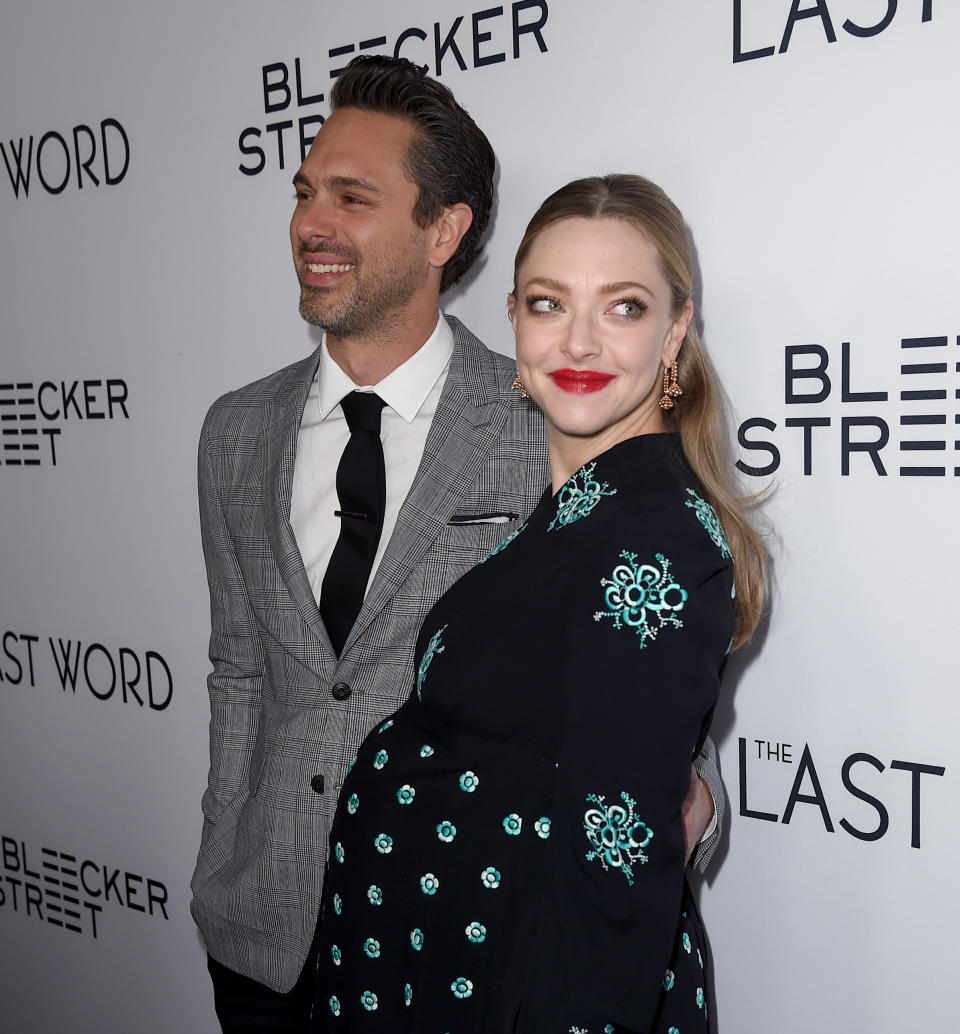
[647, 632]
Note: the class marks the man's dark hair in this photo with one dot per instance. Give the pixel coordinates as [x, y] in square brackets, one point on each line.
[449, 159]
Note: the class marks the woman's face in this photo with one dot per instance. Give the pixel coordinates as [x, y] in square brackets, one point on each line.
[595, 328]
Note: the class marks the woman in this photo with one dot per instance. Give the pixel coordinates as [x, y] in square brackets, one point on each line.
[508, 850]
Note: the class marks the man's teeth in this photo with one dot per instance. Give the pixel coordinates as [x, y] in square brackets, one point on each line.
[322, 267]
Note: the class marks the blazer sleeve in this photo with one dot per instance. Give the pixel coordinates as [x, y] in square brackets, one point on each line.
[708, 768]
[640, 674]
[236, 652]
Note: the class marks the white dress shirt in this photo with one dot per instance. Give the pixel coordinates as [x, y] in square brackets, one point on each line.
[411, 393]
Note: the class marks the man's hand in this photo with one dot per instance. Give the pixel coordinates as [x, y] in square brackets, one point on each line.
[697, 811]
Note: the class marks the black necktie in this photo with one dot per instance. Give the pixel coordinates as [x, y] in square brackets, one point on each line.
[362, 490]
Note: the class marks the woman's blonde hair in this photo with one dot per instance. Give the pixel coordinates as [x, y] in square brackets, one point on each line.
[700, 415]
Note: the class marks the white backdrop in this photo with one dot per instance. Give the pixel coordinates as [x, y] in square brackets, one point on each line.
[813, 148]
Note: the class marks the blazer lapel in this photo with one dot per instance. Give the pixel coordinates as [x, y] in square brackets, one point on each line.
[281, 426]
[466, 426]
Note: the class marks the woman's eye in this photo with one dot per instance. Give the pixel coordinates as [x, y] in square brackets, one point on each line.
[629, 307]
[543, 304]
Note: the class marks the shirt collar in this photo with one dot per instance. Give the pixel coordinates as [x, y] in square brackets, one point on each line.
[404, 390]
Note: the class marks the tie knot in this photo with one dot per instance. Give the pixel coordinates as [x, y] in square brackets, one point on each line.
[362, 410]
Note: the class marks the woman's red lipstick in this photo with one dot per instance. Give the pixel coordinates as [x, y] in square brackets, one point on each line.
[579, 382]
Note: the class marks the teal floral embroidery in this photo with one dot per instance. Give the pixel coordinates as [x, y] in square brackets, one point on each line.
[429, 884]
[686, 943]
[350, 766]
[608, 1028]
[416, 939]
[616, 835]
[578, 500]
[374, 894]
[337, 904]
[469, 782]
[386, 725]
[542, 826]
[335, 1005]
[353, 802]
[368, 1000]
[462, 988]
[512, 824]
[406, 793]
[636, 593]
[699, 958]
[383, 843]
[407, 994]
[426, 751]
[371, 948]
[490, 878]
[673, 1030]
[336, 954]
[668, 979]
[700, 998]
[381, 758]
[433, 648]
[446, 831]
[579, 1030]
[707, 516]
[476, 933]
[338, 852]
[503, 543]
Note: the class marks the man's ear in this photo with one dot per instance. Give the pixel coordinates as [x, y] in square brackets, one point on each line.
[449, 229]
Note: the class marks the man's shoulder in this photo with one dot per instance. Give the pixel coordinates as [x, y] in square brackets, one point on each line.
[480, 370]
[245, 405]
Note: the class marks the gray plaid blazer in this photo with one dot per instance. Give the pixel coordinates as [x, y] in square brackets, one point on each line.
[280, 741]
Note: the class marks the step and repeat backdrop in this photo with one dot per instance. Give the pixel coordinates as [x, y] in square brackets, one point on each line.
[145, 194]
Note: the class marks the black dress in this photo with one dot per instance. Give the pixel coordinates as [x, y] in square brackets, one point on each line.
[507, 853]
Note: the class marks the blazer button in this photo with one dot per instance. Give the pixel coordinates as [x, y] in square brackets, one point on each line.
[316, 784]
[341, 691]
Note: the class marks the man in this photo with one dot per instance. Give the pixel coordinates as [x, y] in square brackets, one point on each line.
[392, 202]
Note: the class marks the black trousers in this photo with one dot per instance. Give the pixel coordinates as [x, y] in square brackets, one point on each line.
[245, 1006]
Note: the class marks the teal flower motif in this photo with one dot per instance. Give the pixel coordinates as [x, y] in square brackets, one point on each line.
[638, 593]
[462, 988]
[617, 837]
[429, 884]
[338, 852]
[608, 1028]
[476, 933]
[406, 793]
[334, 1005]
[335, 954]
[542, 826]
[707, 516]
[381, 758]
[668, 980]
[490, 878]
[371, 948]
[386, 725]
[337, 904]
[446, 831]
[416, 939]
[699, 958]
[350, 766]
[673, 1030]
[426, 751]
[374, 894]
[469, 782]
[368, 1000]
[578, 500]
[353, 802]
[383, 843]
[503, 543]
[433, 648]
[512, 824]
[407, 994]
[686, 943]
[700, 998]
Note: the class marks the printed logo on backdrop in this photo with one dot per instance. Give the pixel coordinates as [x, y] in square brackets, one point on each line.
[780, 781]
[758, 22]
[292, 92]
[80, 157]
[34, 415]
[113, 675]
[70, 892]
[908, 426]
